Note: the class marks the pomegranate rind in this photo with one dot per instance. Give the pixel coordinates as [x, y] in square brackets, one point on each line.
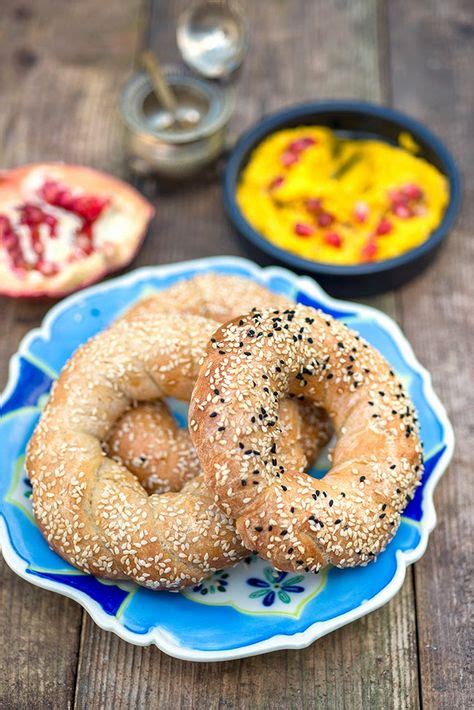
[135, 213]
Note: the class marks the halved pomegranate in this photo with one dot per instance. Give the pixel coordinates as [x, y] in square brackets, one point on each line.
[63, 227]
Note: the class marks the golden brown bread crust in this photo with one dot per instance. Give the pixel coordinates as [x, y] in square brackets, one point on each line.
[214, 296]
[146, 439]
[295, 521]
[91, 508]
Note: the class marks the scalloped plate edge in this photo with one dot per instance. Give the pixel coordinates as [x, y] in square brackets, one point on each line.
[163, 639]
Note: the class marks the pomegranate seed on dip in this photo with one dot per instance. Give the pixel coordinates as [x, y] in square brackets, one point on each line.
[378, 200]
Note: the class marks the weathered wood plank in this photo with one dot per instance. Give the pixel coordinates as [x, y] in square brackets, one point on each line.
[299, 51]
[432, 51]
[61, 66]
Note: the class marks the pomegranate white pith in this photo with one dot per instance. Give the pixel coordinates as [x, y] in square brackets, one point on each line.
[65, 226]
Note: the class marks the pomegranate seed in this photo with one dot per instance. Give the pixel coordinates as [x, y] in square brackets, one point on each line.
[303, 230]
[47, 268]
[55, 194]
[276, 182]
[32, 216]
[11, 244]
[50, 191]
[361, 211]
[334, 239]
[413, 191]
[383, 227]
[5, 226]
[301, 144]
[397, 197]
[369, 251]
[325, 219]
[89, 207]
[9, 240]
[288, 158]
[402, 211]
[313, 204]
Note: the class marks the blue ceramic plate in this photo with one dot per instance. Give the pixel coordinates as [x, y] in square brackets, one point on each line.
[251, 608]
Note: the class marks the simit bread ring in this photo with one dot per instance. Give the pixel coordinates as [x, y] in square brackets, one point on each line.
[146, 438]
[296, 521]
[91, 509]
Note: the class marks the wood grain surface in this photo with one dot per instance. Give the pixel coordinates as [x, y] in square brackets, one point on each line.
[61, 69]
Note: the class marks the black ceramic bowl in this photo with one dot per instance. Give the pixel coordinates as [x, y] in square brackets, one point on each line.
[356, 120]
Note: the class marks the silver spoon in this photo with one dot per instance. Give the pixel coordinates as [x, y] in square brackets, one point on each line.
[213, 38]
[184, 116]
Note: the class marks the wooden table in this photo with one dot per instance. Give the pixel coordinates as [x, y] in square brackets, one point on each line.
[62, 65]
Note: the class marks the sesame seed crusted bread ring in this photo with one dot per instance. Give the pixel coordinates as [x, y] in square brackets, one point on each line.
[293, 520]
[92, 509]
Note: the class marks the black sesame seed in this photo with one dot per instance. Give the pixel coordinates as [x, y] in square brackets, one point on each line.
[214, 414]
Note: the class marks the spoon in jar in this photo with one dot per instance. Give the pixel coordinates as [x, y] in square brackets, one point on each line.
[185, 117]
[212, 37]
